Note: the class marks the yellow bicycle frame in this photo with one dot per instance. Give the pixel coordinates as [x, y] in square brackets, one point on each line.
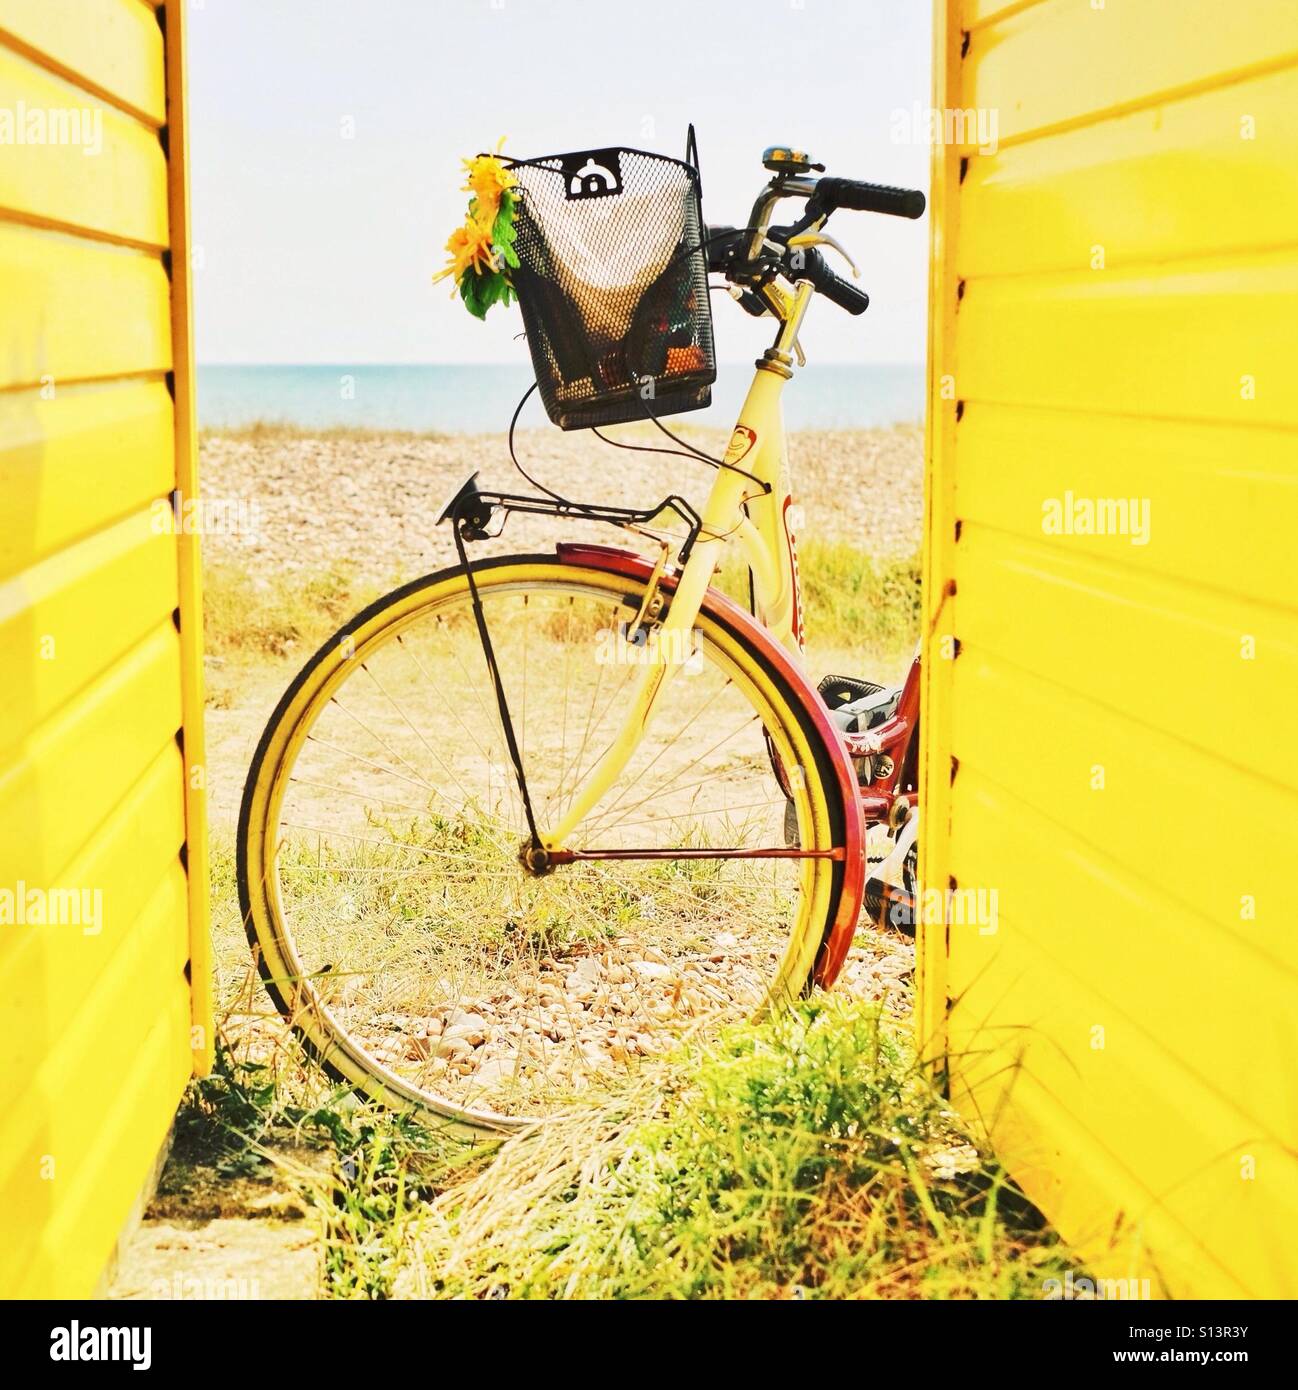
[751, 502]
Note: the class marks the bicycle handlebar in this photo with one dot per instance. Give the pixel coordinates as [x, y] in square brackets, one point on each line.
[747, 256]
[854, 195]
[798, 263]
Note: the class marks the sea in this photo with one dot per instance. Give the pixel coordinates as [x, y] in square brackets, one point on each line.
[479, 399]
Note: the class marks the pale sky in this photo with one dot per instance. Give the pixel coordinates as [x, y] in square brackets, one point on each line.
[327, 135]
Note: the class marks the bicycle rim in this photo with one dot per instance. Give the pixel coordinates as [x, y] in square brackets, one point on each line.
[380, 832]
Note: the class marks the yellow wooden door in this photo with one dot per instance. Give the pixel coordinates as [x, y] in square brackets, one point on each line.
[104, 981]
[1111, 658]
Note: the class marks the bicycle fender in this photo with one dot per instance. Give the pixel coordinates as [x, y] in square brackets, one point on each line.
[728, 614]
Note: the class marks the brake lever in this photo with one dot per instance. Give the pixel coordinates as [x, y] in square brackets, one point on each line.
[820, 239]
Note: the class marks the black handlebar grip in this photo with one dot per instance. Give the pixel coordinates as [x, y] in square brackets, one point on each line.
[844, 293]
[855, 196]
[809, 264]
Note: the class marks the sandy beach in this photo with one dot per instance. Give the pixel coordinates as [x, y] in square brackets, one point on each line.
[368, 502]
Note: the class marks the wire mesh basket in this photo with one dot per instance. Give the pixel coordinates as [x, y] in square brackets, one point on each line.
[613, 286]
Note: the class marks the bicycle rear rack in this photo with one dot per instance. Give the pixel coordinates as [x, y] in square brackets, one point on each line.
[471, 510]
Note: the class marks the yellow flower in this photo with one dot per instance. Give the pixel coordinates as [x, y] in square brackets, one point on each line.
[469, 245]
[488, 178]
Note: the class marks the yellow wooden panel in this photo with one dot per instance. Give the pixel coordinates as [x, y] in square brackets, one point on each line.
[1210, 670]
[1160, 907]
[93, 167]
[1191, 848]
[78, 766]
[1116, 1226]
[1238, 1016]
[941, 426]
[974, 13]
[1067, 1171]
[1202, 340]
[79, 461]
[79, 1235]
[1220, 164]
[67, 1114]
[48, 972]
[67, 619]
[75, 309]
[190, 566]
[1120, 56]
[114, 46]
[1017, 465]
[96, 1037]
[1022, 1025]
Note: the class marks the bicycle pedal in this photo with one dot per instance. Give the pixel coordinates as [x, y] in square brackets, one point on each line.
[873, 706]
[842, 690]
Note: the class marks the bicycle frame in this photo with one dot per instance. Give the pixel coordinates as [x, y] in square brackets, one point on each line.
[750, 501]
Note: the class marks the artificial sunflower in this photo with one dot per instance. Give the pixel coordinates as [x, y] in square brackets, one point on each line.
[470, 248]
[488, 180]
[482, 250]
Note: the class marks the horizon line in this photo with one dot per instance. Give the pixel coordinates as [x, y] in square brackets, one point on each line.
[524, 366]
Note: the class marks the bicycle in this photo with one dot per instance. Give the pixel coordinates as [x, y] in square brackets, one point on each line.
[528, 796]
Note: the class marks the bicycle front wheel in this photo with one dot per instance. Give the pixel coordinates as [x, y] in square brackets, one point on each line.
[400, 932]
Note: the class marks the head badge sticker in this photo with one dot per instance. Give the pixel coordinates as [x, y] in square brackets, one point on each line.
[592, 174]
[741, 444]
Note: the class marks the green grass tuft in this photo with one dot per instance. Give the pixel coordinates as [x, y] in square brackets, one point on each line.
[852, 602]
[802, 1159]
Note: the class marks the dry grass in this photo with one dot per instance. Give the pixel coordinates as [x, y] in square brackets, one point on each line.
[803, 1159]
[853, 603]
[270, 432]
[253, 618]
[807, 1158]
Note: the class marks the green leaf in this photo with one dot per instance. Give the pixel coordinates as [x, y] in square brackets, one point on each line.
[488, 290]
[470, 294]
[480, 291]
[503, 229]
[504, 224]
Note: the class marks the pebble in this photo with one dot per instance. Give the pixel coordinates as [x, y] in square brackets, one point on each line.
[453, 1048]
[635, 1006]
[318, 496]
[496, 1070]
[471, 1028]
[652, 970]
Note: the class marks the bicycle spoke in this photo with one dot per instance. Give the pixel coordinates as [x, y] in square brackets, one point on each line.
[418, 933]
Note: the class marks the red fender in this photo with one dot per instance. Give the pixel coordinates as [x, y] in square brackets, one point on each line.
[742, 623]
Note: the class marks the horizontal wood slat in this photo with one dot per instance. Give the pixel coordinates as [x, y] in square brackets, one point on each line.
[113, 46]
[76, 309]
[74, 160]
[79, 460]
